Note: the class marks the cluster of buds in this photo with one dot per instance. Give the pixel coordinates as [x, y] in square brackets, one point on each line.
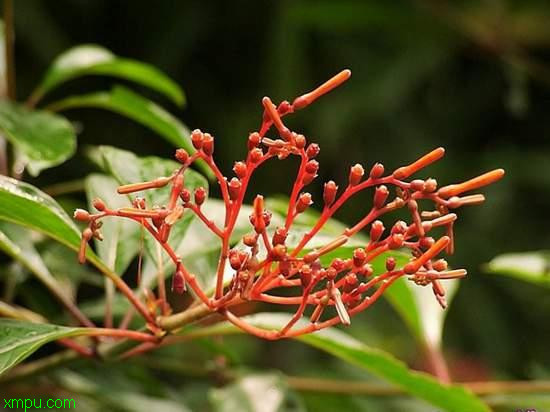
[264, 264]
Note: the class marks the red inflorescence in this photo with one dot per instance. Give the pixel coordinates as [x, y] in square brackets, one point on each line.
[349, 285]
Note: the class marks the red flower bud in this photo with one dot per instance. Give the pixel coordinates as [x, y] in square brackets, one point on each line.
[338, 264]
[303, 202]
[250, 240]
[178, 282]
[300, 141]
[98, 204]
[356, 174]
[278, 252]
[396, 241]
[430, 185]
[312, 167]
[440, 265]
[266, 216]
[367, 270]
[256, 155]
[240, 169]
[331, 273]
[376, 230]
[253, 140]
[380, 196]
[390, 264]
[359, 257]
[399, 227]
[234, 259]
[417, 185]
[329, 192]
[426, 242]
[234, 188]
[305, 275]
[185, 196]
[208, 144]
[196, 138]
[279, 237]
[200, 195]
[312, 150]
[81, 215]
[377, 171]
[182, 155]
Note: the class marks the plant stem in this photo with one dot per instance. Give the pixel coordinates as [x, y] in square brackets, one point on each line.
[184, 318]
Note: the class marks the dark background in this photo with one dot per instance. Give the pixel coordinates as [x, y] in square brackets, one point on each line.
[472, 76]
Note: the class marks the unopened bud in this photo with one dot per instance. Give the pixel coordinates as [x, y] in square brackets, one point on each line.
[185, 196]
[440, 265]
[356, 174]
[377, 171]
[430, 185]
[359, 257]
[279, 237]
[338, 264]
[399, 227]
[300, 141]
[240, 169]
[249, 240]
[426, 242]
[234, 188]
[178, 282]
[196, 138]
[98, 204]
[417, 185]
[256, 155]
[208, 144]
[278, 252]
[303, 202]
[312, 167]
[396, 241]
[200, 195]
[253, 140]
[390, 264]
[312, 150]
[329, 192]
[81, 215]
[182, 155]
[380, 196]
[376, 230]
[235, 260]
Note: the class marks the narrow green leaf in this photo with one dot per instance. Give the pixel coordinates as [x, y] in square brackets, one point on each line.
[127, 103]
[91, 59]
[453, 398]
[266, 392]
[18, 339]
[42, 139]
[533, 267]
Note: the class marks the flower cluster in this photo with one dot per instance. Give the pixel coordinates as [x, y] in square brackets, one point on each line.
[327, 293]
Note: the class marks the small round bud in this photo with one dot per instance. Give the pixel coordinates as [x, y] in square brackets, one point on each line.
[178, 282]
[250, 240]
[331, 273]
[300, 141]
[240, 169]
[351, 280]
[305, 275]
[98, 204]
[284, 108]
[377, 171]
[208, 144]
[200, 195]
[196, 138]
[454, 202]
[182, 155]
[367, 270]
[338, 264]
[380, 196]
[440, 265]
[234, 188]
[81, 215]
[312, 150]
[396, 241]
[390, 264]
[256, 155]
[356, 174]
[278, 252]
[185, 196]
[329, 192]
[376, 230]
[417, 185]
[235, 260]
[312, 166]
[266, 216]
[303, 202]
[253, 140]
[430, 185]
[426, 242]
[279, 237]
[399, 227]
[308, 178]
[359, 257]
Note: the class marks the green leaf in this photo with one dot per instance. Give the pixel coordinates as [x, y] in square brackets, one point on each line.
[256, 393]
[453, 398]
[42, 139]
[18, 339]
[17, 242]
[533, 267]
[121, 236]
[127, 168]
[91, 59]
[127, 103]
